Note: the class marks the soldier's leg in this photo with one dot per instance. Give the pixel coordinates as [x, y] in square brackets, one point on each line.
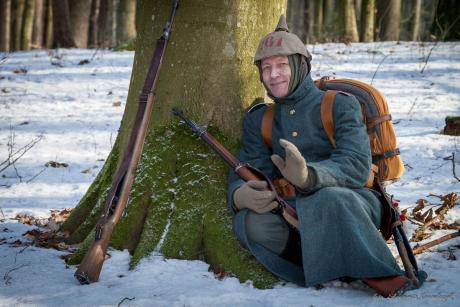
[269, 230]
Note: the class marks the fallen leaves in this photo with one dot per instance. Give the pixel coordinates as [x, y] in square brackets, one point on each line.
[429, 218]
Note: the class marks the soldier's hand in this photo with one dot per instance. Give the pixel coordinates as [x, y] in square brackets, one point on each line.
[255, 196]
[294, 169]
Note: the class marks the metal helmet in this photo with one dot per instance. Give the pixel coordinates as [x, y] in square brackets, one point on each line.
[280, 42]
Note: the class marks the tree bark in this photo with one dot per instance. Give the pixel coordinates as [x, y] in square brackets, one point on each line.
[295, 17]
[319, 19]
[126, 18]
[390, 20]
[49, 24]
[18, 13]
[80, 11]
[330, 16]
[61, 25]
[93, 41]
[310, 21]
[105, 33]
[27, 25]
[208, 71]
[416, 20]
[5, 25]
[39, 24]
[367, 21]
[349, 18]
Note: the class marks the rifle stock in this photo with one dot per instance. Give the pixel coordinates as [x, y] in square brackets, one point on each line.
[117, 199]
[244, 171]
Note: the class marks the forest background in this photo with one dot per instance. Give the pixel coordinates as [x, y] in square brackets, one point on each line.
[29, 24]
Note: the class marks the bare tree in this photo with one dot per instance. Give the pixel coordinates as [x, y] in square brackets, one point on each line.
[62, 36]
[349, 21]
[389, 19]
[80, 11]
[367, 20]
[126, 21]
[27, 25]
[93, 41]
[17, 16]
[49, 24]
[39, 24]
[5, 28]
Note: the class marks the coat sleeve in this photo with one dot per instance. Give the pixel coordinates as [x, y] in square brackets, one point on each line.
[254, 151]
[349, 163]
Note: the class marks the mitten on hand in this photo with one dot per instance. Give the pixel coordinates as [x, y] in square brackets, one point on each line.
[294, 168]
[255, 196]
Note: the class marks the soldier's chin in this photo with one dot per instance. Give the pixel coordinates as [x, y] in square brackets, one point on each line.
[278, 92]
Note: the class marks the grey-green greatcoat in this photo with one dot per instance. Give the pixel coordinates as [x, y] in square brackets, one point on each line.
[338, 218]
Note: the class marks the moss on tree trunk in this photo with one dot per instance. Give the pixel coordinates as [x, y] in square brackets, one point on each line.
[177, 205]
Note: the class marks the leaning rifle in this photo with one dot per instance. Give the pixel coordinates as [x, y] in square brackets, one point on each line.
[243, 170]
[117, 198]
[394, 227]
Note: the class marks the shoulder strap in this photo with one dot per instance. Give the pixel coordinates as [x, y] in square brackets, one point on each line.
[267, 124]
[327, 115]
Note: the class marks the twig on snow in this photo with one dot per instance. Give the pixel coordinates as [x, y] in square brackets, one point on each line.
[7, 278]
[452, 158]
[428, 57]
[420, 249]
[381, 62]
[125, 299]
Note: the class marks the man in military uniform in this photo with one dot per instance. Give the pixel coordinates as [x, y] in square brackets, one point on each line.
[338, 234]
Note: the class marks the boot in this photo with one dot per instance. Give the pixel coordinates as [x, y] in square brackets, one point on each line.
[389, 286]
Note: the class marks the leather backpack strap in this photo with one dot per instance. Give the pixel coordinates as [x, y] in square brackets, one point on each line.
[327, 115]
[267, 124]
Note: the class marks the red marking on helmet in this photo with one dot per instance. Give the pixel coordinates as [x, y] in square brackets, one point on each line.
[280, 42]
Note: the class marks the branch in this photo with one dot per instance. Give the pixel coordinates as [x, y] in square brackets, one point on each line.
[125, 299]
[420, 249]
[372, 81]
[452, 158]
[428, 57]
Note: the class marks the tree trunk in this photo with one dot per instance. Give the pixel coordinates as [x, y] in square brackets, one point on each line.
[126, 18]
[310, 18]
[416, 20]
[349, 18]
[180, 188]
[17, 16]
[49, 24]
[319, 19]
[80, 11]
[330, 17]
[390, 20]
[93, 41]
[105, 33]
[39, 24]
[295, 17]
[5, 22]
[27, 25]
[367, 21]
[61, 25]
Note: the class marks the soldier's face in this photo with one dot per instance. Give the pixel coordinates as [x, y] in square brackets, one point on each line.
[276, 74]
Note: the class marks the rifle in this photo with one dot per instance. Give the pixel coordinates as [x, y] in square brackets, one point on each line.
[117, 198]
[391, 225]
[245, 171]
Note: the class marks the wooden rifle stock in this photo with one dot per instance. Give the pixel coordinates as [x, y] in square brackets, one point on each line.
[117, 199]
[244, 171]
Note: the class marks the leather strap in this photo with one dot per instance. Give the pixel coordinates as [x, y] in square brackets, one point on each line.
[267, 124]
[327, 115]
[374, 121]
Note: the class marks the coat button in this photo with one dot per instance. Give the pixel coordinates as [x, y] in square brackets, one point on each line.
[292, 112]
[294, 134]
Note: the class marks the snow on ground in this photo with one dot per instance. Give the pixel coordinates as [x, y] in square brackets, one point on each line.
[73, 112]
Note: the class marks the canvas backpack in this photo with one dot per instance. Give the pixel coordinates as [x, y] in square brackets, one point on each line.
[386, 160]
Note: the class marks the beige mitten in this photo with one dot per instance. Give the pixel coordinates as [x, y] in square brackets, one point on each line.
[294, 168]
[255, 196]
